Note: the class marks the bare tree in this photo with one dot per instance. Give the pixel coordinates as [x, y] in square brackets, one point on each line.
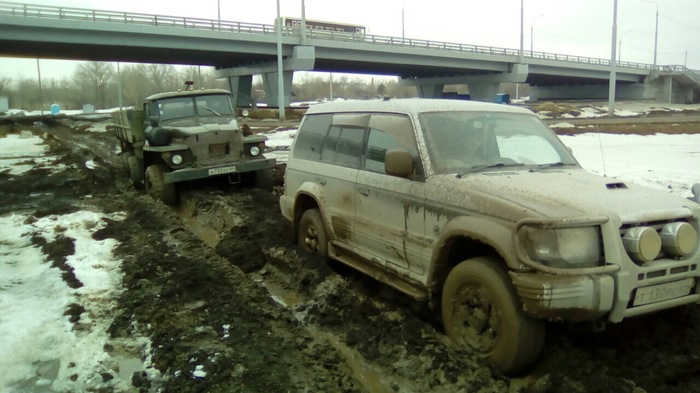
[95, 77]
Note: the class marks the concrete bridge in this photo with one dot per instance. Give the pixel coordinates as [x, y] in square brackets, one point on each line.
[240, 50]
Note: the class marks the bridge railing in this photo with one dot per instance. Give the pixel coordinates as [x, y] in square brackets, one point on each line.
[80, 14]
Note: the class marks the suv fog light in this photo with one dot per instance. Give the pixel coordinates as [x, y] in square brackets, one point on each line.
[679, 238]
[254, 151]
[177, 159]
[642, 243]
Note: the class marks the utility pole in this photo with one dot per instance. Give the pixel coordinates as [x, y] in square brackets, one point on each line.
[280, 76]
[656, 31]
[613, 64]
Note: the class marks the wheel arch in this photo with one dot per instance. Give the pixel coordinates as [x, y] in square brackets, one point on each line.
[464, 238]
[307, 197]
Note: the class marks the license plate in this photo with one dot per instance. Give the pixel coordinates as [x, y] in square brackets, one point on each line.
[222, 170]
[661, 292]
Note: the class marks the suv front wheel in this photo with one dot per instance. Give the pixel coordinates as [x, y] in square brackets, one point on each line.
[480, 310]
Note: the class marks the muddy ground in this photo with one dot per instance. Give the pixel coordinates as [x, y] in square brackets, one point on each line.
[218, 287]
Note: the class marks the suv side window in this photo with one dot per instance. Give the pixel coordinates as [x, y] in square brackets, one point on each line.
[343, 146]
[311, 136]
[390, 131]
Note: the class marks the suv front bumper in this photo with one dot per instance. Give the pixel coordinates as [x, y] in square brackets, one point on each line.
[571, 298]
[219, 170]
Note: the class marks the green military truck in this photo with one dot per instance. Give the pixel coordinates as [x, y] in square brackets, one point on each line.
[188, 135]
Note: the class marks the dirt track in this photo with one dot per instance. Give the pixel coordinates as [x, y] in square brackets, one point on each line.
[217, 286]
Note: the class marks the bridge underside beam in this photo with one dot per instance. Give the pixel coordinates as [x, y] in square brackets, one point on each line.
[660, 89]
[481, 87]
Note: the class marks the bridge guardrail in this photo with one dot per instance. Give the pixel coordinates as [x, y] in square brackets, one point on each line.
[68, 13]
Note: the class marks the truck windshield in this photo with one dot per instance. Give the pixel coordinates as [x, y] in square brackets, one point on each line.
[206, 105]
[463, 142]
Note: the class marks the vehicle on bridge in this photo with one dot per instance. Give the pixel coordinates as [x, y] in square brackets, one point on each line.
[188, 135]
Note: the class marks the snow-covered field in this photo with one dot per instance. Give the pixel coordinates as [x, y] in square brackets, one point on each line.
[42, 351]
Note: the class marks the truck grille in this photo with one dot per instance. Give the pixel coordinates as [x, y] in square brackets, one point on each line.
[218, 149]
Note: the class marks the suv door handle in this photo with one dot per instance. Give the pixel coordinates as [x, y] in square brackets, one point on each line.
[363, 190]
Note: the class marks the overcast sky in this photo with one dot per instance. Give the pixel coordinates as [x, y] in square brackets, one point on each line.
[574, 27]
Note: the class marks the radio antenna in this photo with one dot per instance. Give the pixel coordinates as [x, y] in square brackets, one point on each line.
[600, 146]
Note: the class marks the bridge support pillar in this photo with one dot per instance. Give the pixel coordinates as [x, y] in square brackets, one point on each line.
[483, 91]
[430, 91]
[270, 84]
[241, 90]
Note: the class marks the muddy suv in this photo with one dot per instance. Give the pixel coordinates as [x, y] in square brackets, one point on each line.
[188, 135]
[481, 210]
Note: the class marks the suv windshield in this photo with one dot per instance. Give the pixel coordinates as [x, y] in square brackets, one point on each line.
[463, 142]
[206, 105]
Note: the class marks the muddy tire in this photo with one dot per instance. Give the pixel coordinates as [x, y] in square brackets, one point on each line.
[312, 233]
[135, 170]
[480, 309]
[157, 187]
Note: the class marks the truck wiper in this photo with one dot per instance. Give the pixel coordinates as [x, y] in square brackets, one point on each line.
[212, 111]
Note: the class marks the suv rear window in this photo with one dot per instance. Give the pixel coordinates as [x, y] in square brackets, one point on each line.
[343, 139]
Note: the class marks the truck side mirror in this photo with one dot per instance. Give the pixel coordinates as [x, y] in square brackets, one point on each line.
[153, 120]
[398, 162]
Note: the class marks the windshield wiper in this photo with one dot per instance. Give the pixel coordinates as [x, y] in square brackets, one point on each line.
[546, 166]
[478, 168]
[212, 111]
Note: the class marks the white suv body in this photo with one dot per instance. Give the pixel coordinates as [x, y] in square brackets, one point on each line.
[480, 209]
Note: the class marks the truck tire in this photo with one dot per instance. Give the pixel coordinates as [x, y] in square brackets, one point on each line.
[312, 234]
[480, 309]
[157, 187]
[135, 170]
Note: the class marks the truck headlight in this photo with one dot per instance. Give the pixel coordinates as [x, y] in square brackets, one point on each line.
[177, 159]
[574, 248]
[254, 150]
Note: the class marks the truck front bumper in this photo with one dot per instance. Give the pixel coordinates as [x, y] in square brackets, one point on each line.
[186, 174]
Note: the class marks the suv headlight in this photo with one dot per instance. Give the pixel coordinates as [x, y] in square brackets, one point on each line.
[577, 247]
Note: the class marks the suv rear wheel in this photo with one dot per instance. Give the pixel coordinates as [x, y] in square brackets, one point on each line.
[312, 234]
[157, 187]
[481, 310]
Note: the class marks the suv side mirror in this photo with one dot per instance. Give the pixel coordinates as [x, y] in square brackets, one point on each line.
[398, 163]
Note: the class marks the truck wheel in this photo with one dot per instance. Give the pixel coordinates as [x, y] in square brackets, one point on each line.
[135, 170]
[157, 187]
[480, 309]
[312, 234]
